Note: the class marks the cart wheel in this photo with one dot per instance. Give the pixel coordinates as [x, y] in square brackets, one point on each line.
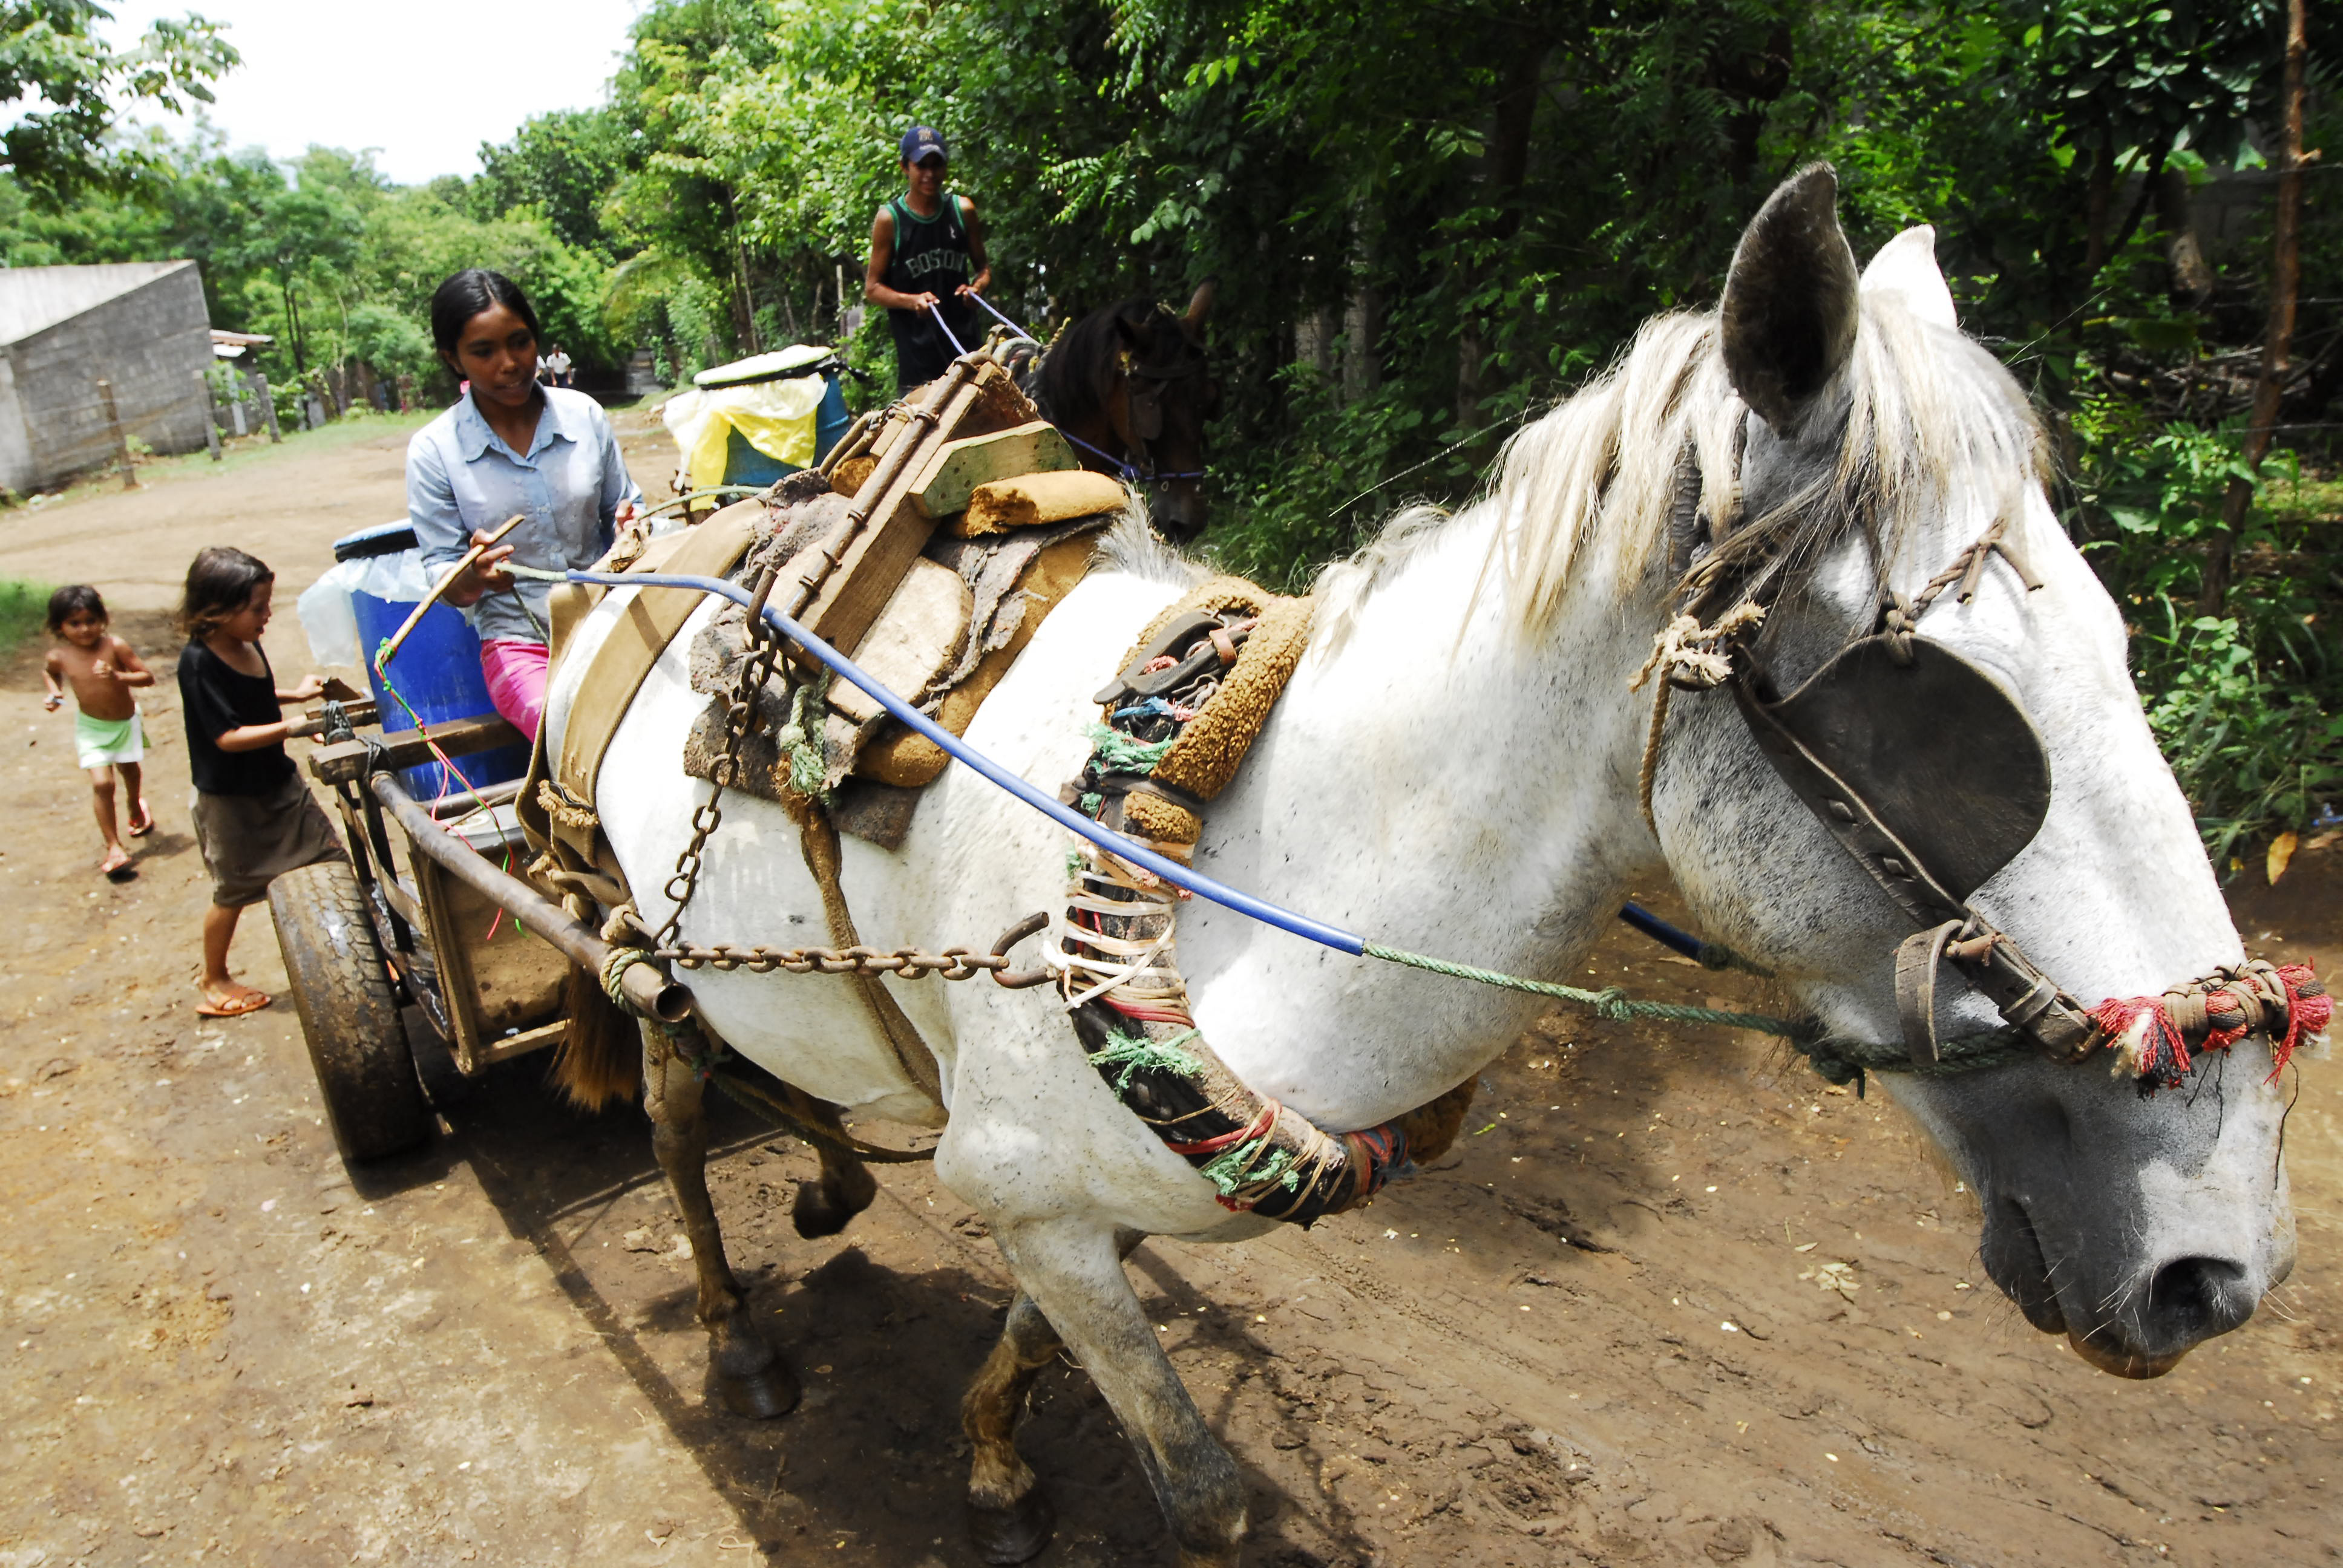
[349, 1014]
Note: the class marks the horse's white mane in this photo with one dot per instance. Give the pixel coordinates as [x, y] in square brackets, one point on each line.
[1130, 545]
[1927, 408]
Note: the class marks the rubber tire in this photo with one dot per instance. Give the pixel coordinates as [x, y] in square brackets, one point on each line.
[349, 1012]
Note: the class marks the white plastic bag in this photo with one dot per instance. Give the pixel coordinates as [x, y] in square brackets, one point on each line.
[327, 618]
[327, 621]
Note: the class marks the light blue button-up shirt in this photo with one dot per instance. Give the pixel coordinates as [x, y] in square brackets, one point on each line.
[461, 477]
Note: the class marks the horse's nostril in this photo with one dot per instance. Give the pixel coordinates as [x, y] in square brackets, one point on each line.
[2201, 1297]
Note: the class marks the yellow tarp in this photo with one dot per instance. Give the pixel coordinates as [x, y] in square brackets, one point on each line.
[777, 417]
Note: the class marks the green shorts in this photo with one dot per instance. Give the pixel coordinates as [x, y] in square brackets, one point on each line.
[109, 742]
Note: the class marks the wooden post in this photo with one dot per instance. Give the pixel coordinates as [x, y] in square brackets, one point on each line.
[2286, 286]
[267, 406]
[121, 441]
[211, 416]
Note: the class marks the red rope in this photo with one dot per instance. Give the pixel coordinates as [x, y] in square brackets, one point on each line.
[1259, 1129]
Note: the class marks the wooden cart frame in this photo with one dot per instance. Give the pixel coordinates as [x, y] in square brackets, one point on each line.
[421, 916]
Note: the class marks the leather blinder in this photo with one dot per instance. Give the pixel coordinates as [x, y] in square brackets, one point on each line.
[1940, 754]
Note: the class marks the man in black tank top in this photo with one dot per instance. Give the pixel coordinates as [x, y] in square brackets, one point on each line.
[927, 249]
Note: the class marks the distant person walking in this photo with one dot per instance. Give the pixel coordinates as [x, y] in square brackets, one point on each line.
[926, 256]
[510, 446]
[255, 816]
[109, 737]
[558, 363]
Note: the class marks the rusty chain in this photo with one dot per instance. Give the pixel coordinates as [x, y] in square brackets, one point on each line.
[908, 963]
[954, 963]
[739, 718]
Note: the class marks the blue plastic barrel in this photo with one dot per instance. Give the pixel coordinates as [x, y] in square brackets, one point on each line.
[831, 420]
[744, 465]
[436, 670]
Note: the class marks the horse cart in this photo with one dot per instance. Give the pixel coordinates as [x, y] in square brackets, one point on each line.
[433, 910]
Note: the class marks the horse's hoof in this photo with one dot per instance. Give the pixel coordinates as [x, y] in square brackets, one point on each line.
[1016, 1534]
[822, 1210]
[770, 1390]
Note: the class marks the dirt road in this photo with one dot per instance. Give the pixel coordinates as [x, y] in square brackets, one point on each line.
[1584, 1338]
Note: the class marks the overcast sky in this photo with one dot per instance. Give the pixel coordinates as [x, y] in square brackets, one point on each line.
[424, 81]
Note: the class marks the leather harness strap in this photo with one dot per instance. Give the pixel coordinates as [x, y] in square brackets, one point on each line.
[817, 836]
[1951, 931]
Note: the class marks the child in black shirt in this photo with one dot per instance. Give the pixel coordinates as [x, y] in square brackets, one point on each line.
[253, 817]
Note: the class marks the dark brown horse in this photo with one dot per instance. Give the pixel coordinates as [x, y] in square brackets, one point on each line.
[1129, 385]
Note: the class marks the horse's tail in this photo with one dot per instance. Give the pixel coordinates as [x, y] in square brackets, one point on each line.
[601, 1054]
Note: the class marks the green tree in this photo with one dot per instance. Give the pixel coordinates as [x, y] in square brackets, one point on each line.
[74, 85]
[564, 165]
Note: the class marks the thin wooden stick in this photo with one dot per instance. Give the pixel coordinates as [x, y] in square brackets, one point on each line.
[398, 638]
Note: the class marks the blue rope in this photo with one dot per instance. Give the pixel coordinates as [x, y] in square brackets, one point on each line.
[960, 750]
[1000, 318]
[1114, 843]
[947, 331]
[1123, 465]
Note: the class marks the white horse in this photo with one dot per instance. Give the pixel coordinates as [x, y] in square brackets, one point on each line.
[1453, 771]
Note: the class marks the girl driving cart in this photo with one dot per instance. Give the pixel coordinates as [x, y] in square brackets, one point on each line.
[510, 446]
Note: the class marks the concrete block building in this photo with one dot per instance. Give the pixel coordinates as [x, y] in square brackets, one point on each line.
[141, 327]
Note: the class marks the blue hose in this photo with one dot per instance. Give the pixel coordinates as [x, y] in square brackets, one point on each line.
[960, 750]
[1660, 931]
[1114, 843]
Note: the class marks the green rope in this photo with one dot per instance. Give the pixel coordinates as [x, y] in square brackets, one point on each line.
[1610, 1003]
[1847, 1061]
[1131, 1052]
[1228, 1171]
[801, 741]
[1838, 1061]
[1116, 753]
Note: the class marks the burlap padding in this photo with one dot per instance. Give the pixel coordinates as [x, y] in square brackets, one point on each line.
[641, 635]
[1165, 822]
[1204, 760]
[1030, 499]
[911, 761]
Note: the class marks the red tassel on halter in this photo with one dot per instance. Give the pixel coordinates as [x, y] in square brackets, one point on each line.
[2308, 1010]
[2159, 1052]
[2160, 1048]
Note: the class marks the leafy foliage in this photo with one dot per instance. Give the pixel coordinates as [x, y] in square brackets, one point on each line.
[51, 57]
[1428, 223]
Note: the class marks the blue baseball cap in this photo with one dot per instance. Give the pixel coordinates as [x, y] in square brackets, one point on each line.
[921, 141]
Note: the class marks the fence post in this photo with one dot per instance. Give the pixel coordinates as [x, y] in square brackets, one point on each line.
[267, 406]
[121, 441]
[211, 416]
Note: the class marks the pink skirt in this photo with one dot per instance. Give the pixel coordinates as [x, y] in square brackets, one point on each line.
[516, 676]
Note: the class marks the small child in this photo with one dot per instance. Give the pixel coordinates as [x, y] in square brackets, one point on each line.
[253, 817]
[101, 668]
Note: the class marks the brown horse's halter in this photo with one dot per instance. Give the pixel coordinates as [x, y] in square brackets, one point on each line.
[1933, 779]
[1143, 398]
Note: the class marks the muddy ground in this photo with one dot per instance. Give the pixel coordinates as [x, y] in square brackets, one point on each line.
[1587, 1337]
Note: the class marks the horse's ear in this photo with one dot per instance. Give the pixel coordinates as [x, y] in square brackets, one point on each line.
[1200, 306]
[1131, 320]
[1790, 309]
[1907, 266]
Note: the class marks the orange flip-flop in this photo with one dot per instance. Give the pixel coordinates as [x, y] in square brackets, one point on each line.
[145, 822]
[236, 1007]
